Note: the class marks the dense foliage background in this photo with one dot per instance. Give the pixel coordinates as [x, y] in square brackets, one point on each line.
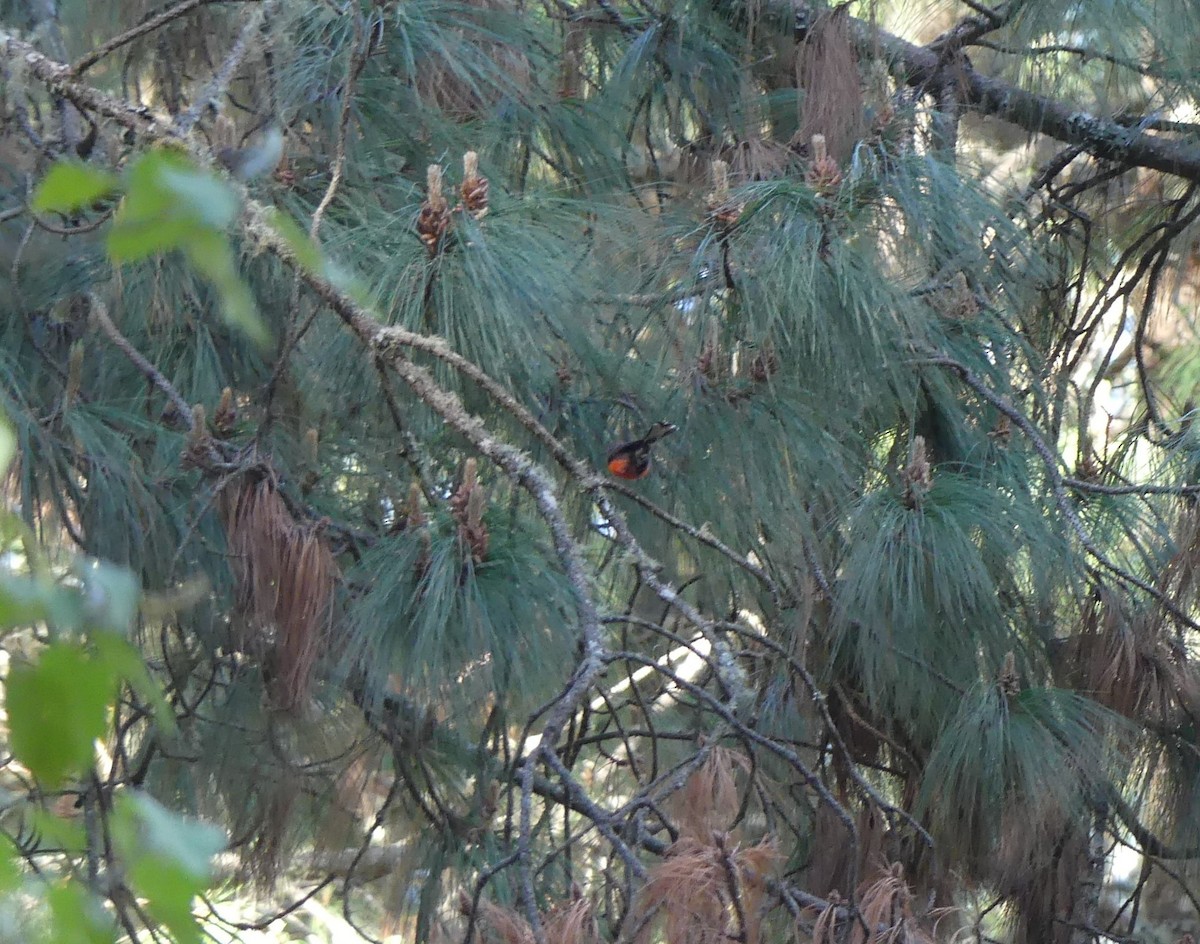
[319, 320]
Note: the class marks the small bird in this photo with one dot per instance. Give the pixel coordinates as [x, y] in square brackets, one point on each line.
[631, 460]
[254, 160]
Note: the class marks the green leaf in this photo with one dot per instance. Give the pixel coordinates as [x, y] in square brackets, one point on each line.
[10, 871]
[126, 662]
[168, 892]
[168, 201]
[199, 194]
[110, 595]
[22, 601]
[12, 529]
[8, 444]
[69, 186]
[167, 859]
[172, 204]
[77, 917]
[307, 252]
[179, 840]
[213, 257]
[57, 832]
[57, 707]
[28, 599]
[132, 239]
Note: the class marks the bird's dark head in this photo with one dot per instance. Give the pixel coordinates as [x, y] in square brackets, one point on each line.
[659, 430]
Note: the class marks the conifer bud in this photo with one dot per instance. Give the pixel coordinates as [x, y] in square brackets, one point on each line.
[415, 519]
[711, 360]
[198, 442]
[765, 363]
[467, 505]
[413, 512]
[74, 374]
[824, 175]
[474, 188]
[1010, 680]
[917, 476]
[434, 218]
[312, 474]
[199, 428]
[225, 418]
[955, 300]
[722, 210]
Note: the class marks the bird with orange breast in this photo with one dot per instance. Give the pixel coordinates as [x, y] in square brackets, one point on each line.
[631, 460]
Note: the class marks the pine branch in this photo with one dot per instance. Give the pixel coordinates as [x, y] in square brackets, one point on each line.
[59, 80]
[391, 342]
[923, 67]
[1050, 462]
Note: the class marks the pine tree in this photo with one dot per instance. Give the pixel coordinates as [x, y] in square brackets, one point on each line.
[894, 639]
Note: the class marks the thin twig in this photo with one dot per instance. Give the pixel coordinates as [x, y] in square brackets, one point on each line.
[221, 81]
[148, 25]
[99, 315]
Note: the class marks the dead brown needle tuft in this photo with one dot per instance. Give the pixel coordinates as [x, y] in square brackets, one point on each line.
[707, 891]
[571, 922]
[709, 800]
[568, 922]
[827, 70]
[826, 925]
[886, 908]
[497, 924]
[285, 577]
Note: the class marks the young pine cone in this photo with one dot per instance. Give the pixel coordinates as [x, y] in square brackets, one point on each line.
[823, 175]
[474, 189]
[434, 218]
[722, 209]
